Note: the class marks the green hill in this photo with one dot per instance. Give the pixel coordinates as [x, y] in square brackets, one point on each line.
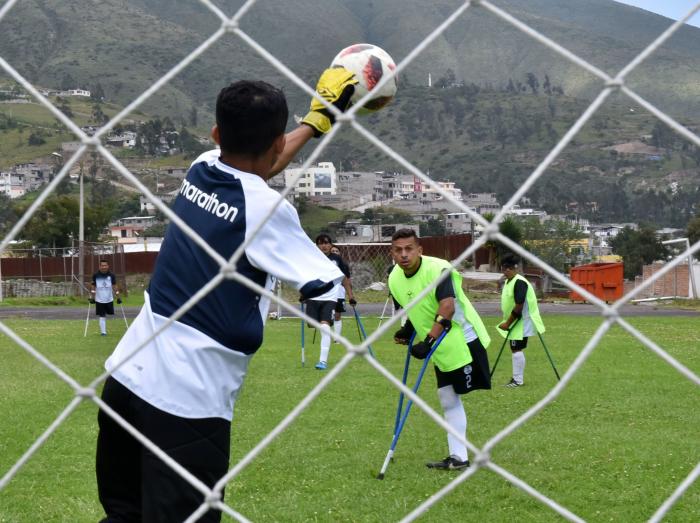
[499, 100]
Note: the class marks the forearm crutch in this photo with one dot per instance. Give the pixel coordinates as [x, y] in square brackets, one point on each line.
[303, 358]
[402, 422]
[495, 363]
[87, 320]
[403, 380]
[124, 315]
[361, 330]
[549, 356]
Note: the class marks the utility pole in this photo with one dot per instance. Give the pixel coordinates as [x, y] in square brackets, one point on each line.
[81, 233]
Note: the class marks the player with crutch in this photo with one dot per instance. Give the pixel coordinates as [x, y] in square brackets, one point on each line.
[521, 317]
[402, 415]
[460, 360]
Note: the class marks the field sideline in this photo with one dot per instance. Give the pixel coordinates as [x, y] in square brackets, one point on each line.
[612, 447]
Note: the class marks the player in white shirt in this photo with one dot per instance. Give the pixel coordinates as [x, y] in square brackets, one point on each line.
[103, 289]
[179, 390]
[322, 308]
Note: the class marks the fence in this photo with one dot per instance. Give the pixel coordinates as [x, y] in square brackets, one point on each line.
[58, 265]
[610, 314]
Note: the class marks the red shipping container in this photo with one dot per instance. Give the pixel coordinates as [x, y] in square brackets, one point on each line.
[603, 280]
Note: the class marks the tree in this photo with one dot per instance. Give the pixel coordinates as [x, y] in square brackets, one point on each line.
[637, 248]
[693, 232]
[433, 227]
[67, 82]
[7, 214]
[555, 242]
[35, 139]
[510, 229]
[97, 93]
[533, 82]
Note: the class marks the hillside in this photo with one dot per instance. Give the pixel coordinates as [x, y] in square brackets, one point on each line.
[499, 100]
[125, 46]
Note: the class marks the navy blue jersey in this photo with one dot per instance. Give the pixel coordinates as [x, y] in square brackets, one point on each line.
[195, 366]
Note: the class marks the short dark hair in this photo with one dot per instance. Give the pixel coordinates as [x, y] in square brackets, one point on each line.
[404, 233]
[104, 261]
[323, 238]
[509, 261]
[250, 115]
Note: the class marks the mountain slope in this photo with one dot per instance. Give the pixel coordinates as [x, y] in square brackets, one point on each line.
[127, 45]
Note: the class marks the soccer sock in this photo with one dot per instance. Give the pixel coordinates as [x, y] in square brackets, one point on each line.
[338, 326]
[456, 417]
[103, 325]
[325, 342]
[518, 366]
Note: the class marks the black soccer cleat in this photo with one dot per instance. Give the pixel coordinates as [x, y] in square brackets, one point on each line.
[512, 383]
[449, 463]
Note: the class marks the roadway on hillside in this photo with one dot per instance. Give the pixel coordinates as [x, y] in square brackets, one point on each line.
[487, 308]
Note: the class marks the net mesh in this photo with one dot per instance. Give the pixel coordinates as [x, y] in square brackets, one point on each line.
[229, 28]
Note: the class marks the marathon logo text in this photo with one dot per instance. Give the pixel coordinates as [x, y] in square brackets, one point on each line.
[208, 202]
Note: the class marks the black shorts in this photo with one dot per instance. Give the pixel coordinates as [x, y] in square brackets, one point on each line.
[340, 305]
[475, 375]
[321, 310]
[518, 344]
[102, 309]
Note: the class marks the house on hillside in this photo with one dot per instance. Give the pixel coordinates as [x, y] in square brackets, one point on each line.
[129, 229]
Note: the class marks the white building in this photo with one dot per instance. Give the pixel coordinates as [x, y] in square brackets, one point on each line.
[395, 186]
[320, 180]
[11, 185]
[76, 92]
[126, 139]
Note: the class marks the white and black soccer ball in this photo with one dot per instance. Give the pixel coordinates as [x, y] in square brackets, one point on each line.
[369, 63]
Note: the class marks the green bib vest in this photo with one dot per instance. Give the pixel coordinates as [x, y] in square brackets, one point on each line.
[531, 312]
[453, 352]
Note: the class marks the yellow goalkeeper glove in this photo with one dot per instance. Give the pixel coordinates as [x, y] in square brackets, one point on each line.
[335, 85]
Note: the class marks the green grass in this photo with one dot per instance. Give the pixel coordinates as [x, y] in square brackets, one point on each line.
[612, 447]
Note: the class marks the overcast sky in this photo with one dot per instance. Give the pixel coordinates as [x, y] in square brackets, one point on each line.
[669, 8]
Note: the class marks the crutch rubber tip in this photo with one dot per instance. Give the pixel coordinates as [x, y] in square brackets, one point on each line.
[380, 475]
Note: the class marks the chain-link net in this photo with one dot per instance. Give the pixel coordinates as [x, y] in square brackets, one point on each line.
[229, 28]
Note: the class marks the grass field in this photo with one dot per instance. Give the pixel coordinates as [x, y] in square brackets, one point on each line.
[612, 447]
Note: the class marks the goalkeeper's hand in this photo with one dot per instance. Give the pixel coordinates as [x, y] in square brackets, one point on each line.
[91, 300]
[335, 85]
[352, 302]
[119, 300]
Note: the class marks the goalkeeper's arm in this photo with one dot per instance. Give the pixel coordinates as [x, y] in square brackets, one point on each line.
[336, 86]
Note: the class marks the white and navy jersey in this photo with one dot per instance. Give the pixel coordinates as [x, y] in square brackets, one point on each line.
[338, 291]
[103, 286]
[195, 367]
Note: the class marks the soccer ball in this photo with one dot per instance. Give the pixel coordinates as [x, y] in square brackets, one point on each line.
[369, 63]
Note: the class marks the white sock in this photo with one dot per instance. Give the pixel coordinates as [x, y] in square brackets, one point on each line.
[325, 342]
[338, 327]
[518, 366]
[456, 417]
[103, 325]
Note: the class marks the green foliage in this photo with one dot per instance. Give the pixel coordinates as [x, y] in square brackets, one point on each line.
[56, 221]
[389, 215]
[637, 248]
[693, 232]
[433, 227]
[35, 138]
[553, 241]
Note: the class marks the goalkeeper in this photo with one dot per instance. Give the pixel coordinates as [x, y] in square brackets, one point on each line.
[461, 362]
[180, 388]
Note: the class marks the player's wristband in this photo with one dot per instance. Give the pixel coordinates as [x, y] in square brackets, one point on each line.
[445, 322]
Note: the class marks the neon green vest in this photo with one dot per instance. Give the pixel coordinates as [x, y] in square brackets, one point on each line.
[531, 313]
[453, 352]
